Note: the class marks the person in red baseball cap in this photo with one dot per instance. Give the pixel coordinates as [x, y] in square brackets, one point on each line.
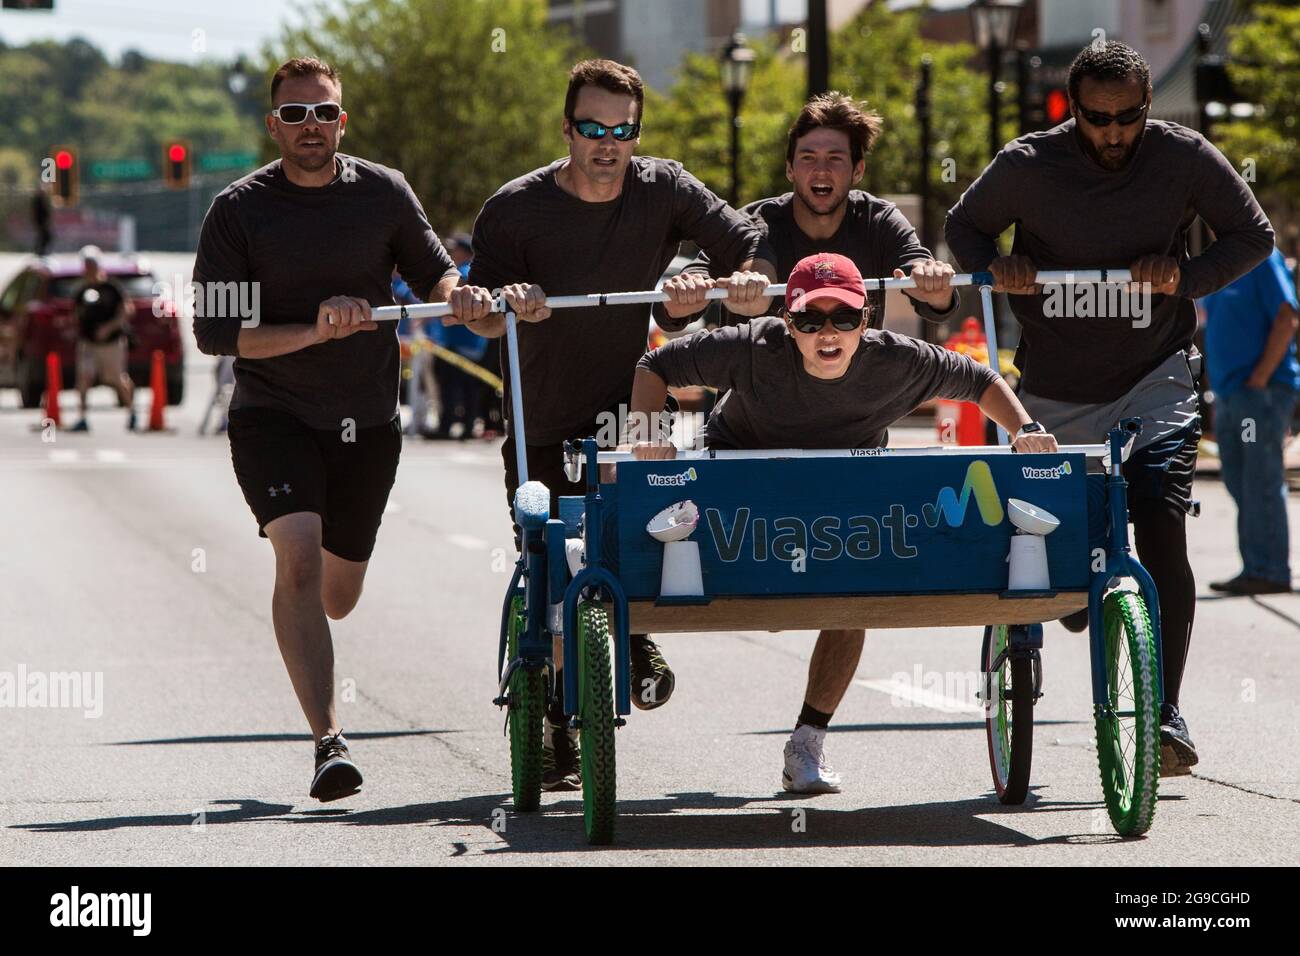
[815, 377]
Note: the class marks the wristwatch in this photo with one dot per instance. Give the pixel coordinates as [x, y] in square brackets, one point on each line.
[1030, 428]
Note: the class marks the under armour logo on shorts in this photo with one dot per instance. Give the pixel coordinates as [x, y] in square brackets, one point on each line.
[285, 488]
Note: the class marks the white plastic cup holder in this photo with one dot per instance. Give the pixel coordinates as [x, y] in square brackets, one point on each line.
[1028, 559]
[682, 575]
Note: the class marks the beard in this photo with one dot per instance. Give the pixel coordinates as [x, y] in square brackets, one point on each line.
[817, 204]
[1100, 157]
[314, 160]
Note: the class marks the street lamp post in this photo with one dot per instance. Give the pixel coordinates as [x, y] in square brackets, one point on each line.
[737, 62]
[994, 24]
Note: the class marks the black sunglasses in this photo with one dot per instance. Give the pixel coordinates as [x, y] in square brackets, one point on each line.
[590, 129]
[846, 320]
[1126, 118]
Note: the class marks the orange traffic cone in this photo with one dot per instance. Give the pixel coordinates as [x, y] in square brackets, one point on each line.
[53, 385]
[158, 384]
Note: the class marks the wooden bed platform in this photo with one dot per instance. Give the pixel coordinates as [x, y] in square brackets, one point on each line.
[877, 611]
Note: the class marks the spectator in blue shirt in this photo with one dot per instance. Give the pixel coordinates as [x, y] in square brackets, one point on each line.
[460, 394]
[1250, 343]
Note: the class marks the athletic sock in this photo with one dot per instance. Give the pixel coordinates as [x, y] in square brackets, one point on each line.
[813, 717]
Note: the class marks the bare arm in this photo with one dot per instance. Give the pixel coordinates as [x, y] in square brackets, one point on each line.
[336, 318]
[1000, 404]
[1275, 348]
[649, 392]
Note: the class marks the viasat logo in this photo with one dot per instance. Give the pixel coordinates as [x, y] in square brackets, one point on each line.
[952, 507]
[671, 481]
[1062, 469]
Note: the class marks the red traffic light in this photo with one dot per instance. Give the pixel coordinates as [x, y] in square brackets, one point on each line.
[176, 152]
[1057, 106]
[63, 159]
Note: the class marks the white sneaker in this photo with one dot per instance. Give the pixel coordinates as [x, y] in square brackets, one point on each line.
[805, 763]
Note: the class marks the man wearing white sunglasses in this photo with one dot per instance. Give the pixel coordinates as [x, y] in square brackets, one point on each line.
[310, 240]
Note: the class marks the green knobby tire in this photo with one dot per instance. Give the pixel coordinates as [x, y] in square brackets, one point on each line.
[596, 711]
[1128, 730]
[1009, 718]
[527, 707]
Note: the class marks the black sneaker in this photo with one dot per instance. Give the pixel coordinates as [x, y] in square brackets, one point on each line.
[1177, 752]
[336, 775]
[1247, 584]
[1077, 622]
[81, 426]
[561, 756]
[652, 678]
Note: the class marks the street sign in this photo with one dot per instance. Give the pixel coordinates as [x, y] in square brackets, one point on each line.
[122, 169]
[212, 162]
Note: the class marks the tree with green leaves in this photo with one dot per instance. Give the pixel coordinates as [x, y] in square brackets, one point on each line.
[1265, 67]
[460, 95]
[876, 57]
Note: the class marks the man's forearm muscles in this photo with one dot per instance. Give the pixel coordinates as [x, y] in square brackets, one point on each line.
[268, 341]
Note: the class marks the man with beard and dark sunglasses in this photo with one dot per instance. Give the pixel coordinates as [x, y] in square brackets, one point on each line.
[1111, 188]
[310, 241]
[598, 220]
[813, 377]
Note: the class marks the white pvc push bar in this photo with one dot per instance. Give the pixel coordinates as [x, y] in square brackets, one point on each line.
[613, 457]
[437, 310]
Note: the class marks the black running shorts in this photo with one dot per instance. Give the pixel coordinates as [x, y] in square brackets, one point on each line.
[283, 466]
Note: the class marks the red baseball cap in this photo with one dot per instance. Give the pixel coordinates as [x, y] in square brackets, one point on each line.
[826, 275]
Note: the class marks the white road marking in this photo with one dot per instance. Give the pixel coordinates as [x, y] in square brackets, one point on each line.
[468, 542]
[907, 691]
[110, 454]
[62, 455]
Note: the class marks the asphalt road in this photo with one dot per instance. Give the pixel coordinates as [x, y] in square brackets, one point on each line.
[133, 556]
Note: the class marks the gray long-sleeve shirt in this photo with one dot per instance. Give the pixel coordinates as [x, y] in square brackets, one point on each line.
[1070, 213]
[580, 362]
[873, 234]
[295, 247]
[772, 402]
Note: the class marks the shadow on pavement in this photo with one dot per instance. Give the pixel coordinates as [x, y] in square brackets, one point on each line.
[705, 820]
[275, 738]
[687, 821]
[241, 811]
[936, 725]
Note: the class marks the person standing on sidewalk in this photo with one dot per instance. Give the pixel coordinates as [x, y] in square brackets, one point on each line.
[1250, 343]
[102, 310]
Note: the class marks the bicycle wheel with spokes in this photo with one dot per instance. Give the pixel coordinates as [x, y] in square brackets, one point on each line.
[527, 695]
[1008, 715]
[1128, 726]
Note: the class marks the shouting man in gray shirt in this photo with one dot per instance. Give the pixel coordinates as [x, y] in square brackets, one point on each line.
[598, 220]
[826, 156]
[1110, 188]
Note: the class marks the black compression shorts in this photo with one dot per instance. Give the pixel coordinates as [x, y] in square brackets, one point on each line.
[283, 466]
